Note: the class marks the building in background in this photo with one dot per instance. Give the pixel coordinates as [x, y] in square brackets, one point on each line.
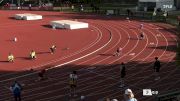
[177, 4]
[150, 5]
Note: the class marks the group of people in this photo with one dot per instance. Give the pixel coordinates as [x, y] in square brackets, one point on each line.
[128, 96]
[156, 67]
[141, 37]
[141, 27]
[16, 88]
[32, 54]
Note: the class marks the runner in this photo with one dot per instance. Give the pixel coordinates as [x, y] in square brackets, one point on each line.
[118, 51]
[10, 57]
[33, 54]
[73, 83]
[141, 26]
[15, 39]
[141, 36]
[52, 49]
[30, 7]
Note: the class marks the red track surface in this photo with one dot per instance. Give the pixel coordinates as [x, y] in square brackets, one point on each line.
[90, 54]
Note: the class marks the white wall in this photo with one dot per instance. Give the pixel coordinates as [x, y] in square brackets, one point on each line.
[163, 4]
[166, 5]
[148, 0]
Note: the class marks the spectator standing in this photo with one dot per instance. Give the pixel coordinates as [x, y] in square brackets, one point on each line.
[30, 6]
[154, 14]
[129, 96]
[72, 7]
[157, 66]
[165, 14]
[82, 98]
[82, 8]
[16, 89]
[41, 74]
[73, 83]
[123, 74]
[128, 12]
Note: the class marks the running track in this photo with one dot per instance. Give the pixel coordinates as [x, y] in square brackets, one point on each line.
[90, 53]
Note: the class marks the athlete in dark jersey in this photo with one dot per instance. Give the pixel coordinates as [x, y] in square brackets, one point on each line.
[73, 83]
[118, 51]
[141, 35]
[123, 74]
[157, 66]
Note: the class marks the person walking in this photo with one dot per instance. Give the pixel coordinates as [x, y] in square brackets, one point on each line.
[129, 96]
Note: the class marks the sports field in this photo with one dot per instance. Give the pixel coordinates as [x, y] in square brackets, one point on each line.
[90, 52]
